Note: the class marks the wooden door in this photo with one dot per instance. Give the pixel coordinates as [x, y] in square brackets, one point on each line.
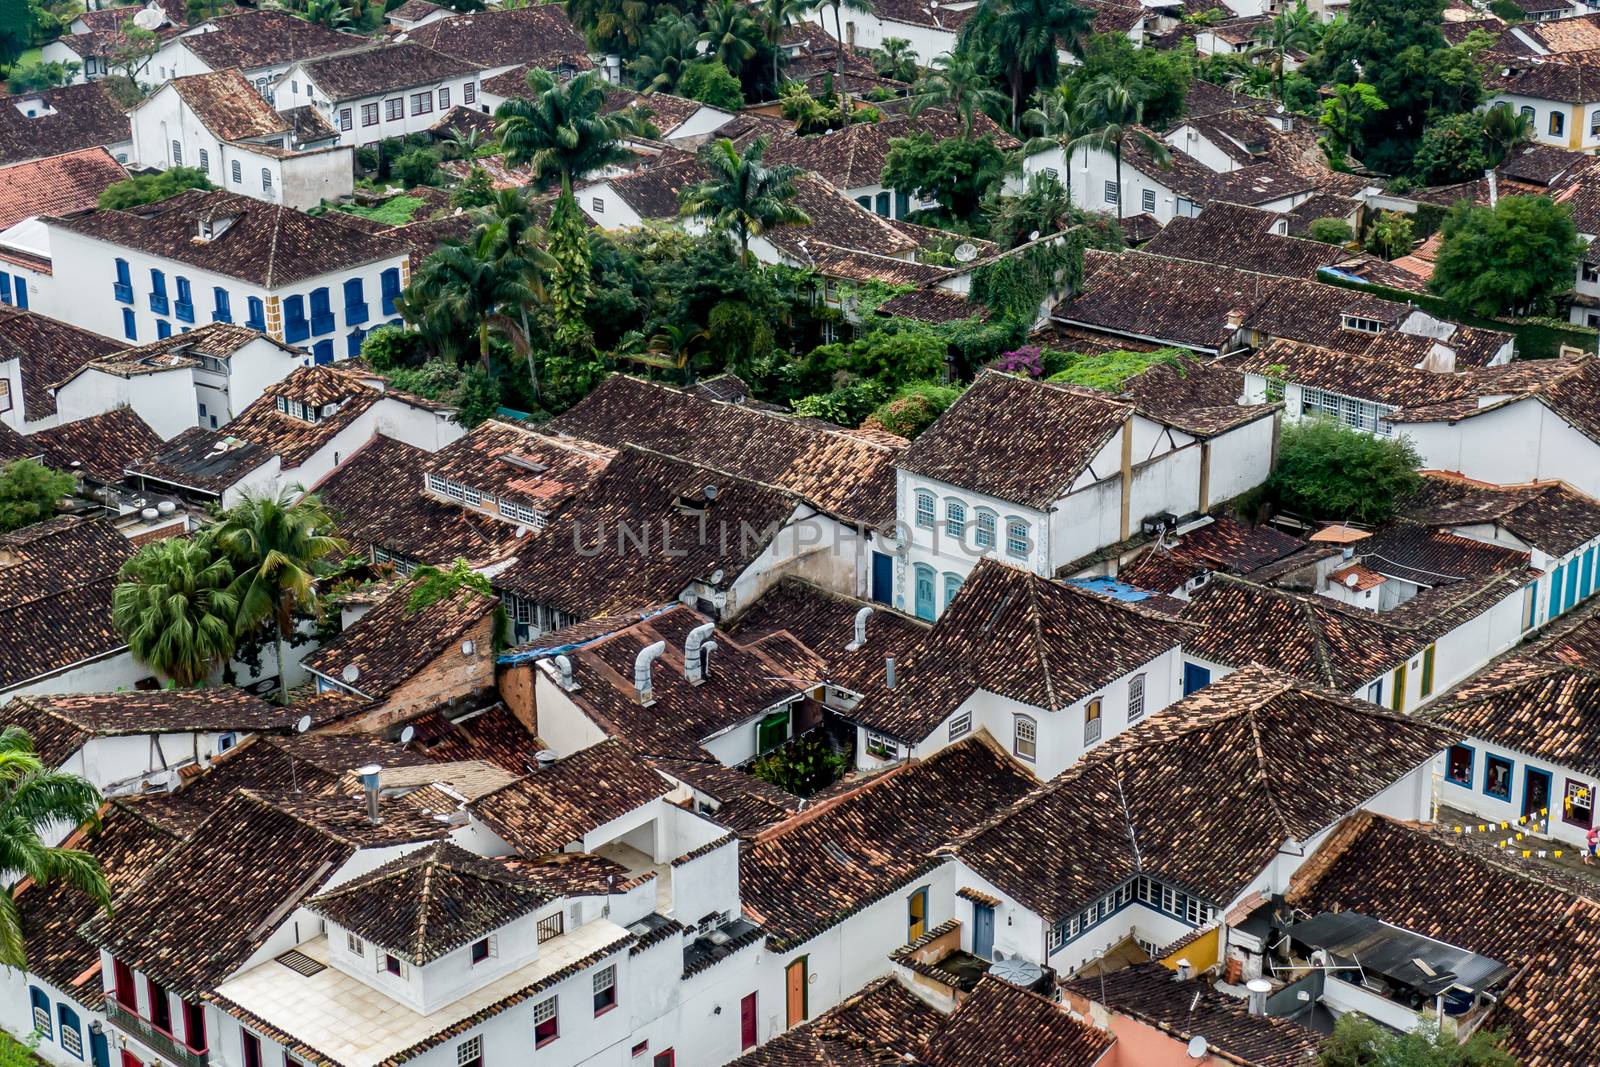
[795, 992]
[747, 1023]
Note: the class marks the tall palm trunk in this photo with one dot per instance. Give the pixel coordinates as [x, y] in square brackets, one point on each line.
[838, 78]
[1016, 89]
[280, 631]
[1116, 154]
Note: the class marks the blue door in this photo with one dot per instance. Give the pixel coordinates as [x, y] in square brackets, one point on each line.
[1536, 796]
[982, 931]
[1195, 677]
[925, 608]
[882, 578]
[322, 351]
[99, 1049]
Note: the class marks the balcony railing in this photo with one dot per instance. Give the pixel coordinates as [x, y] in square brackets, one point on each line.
[164, 1044]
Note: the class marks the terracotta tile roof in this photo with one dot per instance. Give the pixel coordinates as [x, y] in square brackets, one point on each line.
[126, 846]
[56, 185]
[1156, 997]
[1548, 515]
[317, 386]
[429, 902]
[1224, 544]
[55, 600]
[228, 105]
[1576, 397]
[14, 446]
[740, 685]
[1268, 759]
[539, 35]
[745, 804]
[838, 472]
[46, 351]
[1237, 236]
[1320, 206]
[101, 446]
[70, 119]
[1546, 1010]
[854, 157]
[548, 810]
[1001, 1025]
[932, 305]
[203, 460]
[1545, 709]
[250, 39]
[267, 244]
[393, 641]
[818, 868]
[517, 463]
[220, 340]
[384, 68]
[567, 874]
[1203, 98]
[412, 10]
[1548, 78]
[1199, 398]
[882, 1023]
[1060, 644]
[656, 191]
[1408, 878]
[376, 498]
[87, 715]
[1018, 440]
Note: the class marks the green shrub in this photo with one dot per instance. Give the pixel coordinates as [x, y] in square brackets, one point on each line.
[1331, 231]
[803, 766]
[1328, 470]
[152, 188]
[913, 407]
[1109, 371]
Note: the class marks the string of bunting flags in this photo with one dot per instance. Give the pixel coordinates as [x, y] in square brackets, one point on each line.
[1529, 820]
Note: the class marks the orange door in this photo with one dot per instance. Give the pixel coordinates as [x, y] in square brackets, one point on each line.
[795, 976]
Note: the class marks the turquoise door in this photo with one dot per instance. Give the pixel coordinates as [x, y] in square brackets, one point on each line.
[982, 931]
[924, 582]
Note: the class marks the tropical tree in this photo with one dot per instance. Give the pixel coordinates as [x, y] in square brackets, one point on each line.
[1292, 29]
[1519, 254]
[1054, 121]
[1023, 36]
[743, 195]
[36, 801]
[1344, 117]
[328, 13]
[671, 46]
[1506, 129]
[957, 82]
[28, 493]
[518, 248]
[859, 7]
[468, 285]
[560, 130]
[174, 605]
[895, 58]
[777, 16]
[613, 25]
[275, 544]
[1112, 110]
[731, 33]
[1041, 209]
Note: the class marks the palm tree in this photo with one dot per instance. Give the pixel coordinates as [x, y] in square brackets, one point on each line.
[1292, 29]
[859, 7]
[743, 194]
[612, 25]
[896, 59]
[731, 33]
[174, 606]
[34, 801]
[1111, 110]
[479, 284]
[561, 131]
[275, 544]
[464, 143]
[957, 82]
[1055, 122]
[777, 16]
[327, 13]
[1506, 130]
[672, 44]
[674, 341]
[518, 248]
[1025, 36]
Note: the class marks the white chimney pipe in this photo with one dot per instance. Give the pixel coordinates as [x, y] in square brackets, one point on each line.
[1258, 989]
[861, 630]
[371, 776]
[1494, 187]
[888, 671]
[641, 672]
[1185, 970]
[697, 649]
[564, 667]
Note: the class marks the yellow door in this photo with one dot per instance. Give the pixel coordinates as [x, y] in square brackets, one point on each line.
[795, 978]
[1398, 697]
[917, 915]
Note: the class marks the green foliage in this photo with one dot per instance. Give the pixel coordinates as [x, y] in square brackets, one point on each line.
[395, 211]
[734, 329]
[175, 606]
[892, 352]
[1020, 40]
[1331, 231]
[1453, 149]
[1508, 10]
[559, 130]
[816, 114]
[39, 75]
[742, 194]
[28, 493]
[1014, 286]
[670, 47]
[14, 1053]
[1345, 117]
[390, 348]
[470, 390]
[803, 766]
[475, 190]
[913, 407]
[569, 283]
[19, 23]
[847, 405]
[417, 166]
[1328, 470]
[1359, 1042]
[976, 342]
[958, 82]
[711, 83]
[1109, 371]
[956, 172]
[896, 59]
[1165, 73]
[430, 584]
[1390, 234]
[150, 188]
[1516, 255]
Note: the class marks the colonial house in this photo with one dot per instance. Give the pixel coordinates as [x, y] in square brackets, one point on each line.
[1232, 235]
[218, 124]
[1094, 470]
[371, 94]
[225, 367]
[52, 122]
[1093, 668]
[931, 27]
[35, 353]
[216, 256]
[414, 13]
[500, 40]
[260, 44]
[54, 185]
[1561, 98]
[96, 37]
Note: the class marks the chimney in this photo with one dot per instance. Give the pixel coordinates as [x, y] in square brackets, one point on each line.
[564, 669]
[1258, 989]
[1185, 970]
[1494, 187]
[1235, 319]
[888, 671]
[697, 649]
[643, 692]
[370, 775]
[861, 630]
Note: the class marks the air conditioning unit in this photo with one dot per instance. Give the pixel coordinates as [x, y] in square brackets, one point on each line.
[1159, 523]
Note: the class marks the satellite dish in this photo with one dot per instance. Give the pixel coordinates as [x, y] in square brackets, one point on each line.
[1033, 235]
[350, 674]
[966, 252]
[151, 18]
[407, 734]
[1197, 1047]
[1352, 580]
[303, 724]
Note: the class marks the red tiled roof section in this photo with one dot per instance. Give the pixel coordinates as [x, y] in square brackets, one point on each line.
[1547, 1012]
[250, 39]
[854, 157]
[538, 35]
[46, 352]
[67, 119]
[228, 105]
[101, 446]
[1548, 710]
[1001, 1025]
[505, 460]
[548, 810]
[56, 185]
[384, 68]
[882, 1024]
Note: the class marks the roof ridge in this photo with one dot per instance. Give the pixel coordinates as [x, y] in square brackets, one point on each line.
[1261, 756]
[1036, 631]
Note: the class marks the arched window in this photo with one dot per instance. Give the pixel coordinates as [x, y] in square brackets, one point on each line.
[952, 582]
[1025, 738]
[41, 1012]
[955, 518]
[923, 580]
[1091, 721]
[1017, 544]
[925, 516]
[986, 522]
[71, 1036]
[238, 172]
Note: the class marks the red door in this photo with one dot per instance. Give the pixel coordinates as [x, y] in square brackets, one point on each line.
[130, 1060]
[127, 995]
[665, 1059]
[747, 1023]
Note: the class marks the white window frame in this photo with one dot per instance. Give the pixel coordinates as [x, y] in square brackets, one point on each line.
[1018, 547]
[1111, 192]
[1147, 200]
[1025, 737]
[926, 509]
[882, 746]
[960, 725]
[1136, 698]
[469, 1051]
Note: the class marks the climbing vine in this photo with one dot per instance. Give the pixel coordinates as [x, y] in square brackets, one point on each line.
[1014, 285]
